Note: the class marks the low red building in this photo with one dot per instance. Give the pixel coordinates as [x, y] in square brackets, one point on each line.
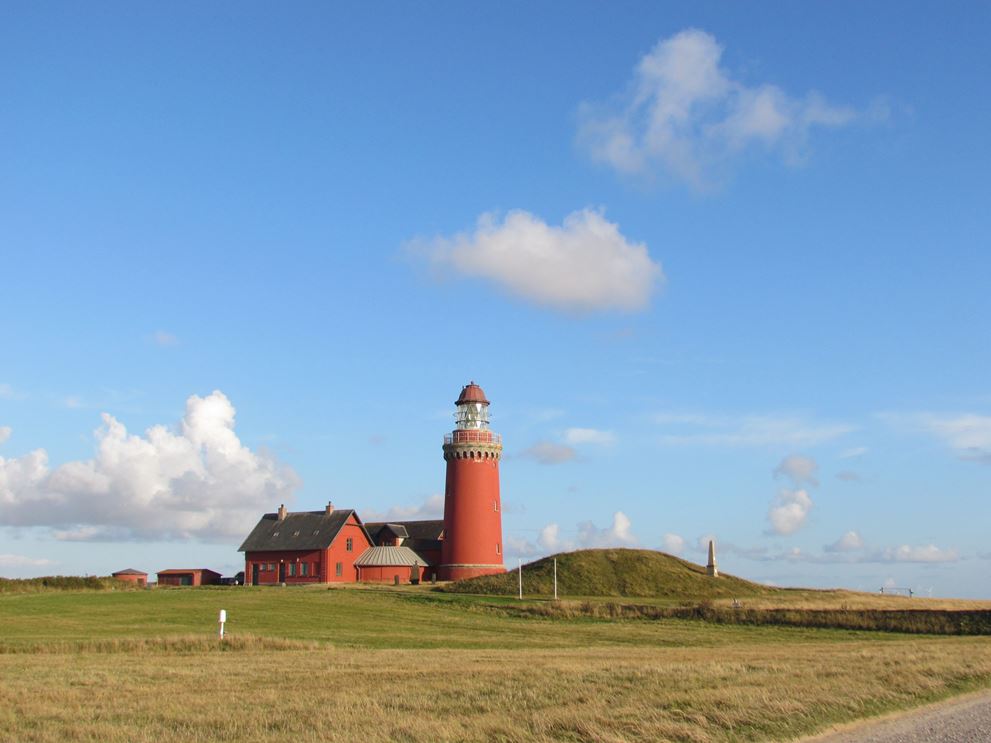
[304, 547]
[420, 539]
[130, 575]
[188, 577]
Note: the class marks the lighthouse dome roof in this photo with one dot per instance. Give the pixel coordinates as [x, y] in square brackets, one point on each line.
[471, 392]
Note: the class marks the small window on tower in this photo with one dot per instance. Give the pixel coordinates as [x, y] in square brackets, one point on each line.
[495, 505]
[498, 548]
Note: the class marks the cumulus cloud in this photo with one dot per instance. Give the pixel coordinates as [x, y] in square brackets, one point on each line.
[619, 533]
[800, 470]
[585, 536]
[21, 561]
[686, 117]
[586, 264]
[5, 432]
[547, 452]
[789, 511]
[849, 542]
[431, 508]
[697, 429]
[577, 436]
[195, 482]
[673, 543]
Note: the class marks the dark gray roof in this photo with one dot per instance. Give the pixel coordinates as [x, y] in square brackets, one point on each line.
[430, 529]
[303, 530]
[130, 571]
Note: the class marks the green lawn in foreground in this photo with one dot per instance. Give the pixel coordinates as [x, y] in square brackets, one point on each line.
[344, 617]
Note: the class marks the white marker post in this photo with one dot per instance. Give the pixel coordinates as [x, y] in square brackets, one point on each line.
[555, 579]
[521, 579]
[223, 618]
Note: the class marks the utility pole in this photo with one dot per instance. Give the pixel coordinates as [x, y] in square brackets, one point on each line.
[521, 578]
[555, 579]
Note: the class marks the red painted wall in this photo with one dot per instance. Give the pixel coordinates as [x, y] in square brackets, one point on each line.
[141, 580]
[198, 578]
[472, 517]
[388, 573]
[326, 560]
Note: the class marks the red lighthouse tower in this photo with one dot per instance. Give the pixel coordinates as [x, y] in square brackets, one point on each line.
[472, 510]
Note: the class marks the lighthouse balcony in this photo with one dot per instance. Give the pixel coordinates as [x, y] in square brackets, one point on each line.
[472, 437]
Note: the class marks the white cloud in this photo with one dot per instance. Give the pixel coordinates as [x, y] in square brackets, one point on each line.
[686, 117]
[696, 429]
[673, 543]
[586, 264]
[547, 452]
[197, 482]
[577, 436]
[431, 508]
[618, 534]
[969, 434]
[164, 338]
[550, 538]
[789, 511]
[20, 561]
[849, 542]
[5, 432]
[800, 470]
[921, 553]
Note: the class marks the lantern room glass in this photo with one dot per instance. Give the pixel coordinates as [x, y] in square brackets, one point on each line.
[472, 416]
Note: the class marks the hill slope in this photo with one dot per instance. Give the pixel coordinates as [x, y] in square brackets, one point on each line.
[615, 572]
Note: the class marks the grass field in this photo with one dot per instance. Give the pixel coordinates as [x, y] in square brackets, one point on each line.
[382, 664]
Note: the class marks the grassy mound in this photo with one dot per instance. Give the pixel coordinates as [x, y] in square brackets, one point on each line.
[615, 572]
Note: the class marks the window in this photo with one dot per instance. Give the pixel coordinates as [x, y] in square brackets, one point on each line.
[498, 548]
[339, 569]
[296, 533]
[292, 568]
[304, 569]
[271, 567]
[275, 534]
[316, 568]
[350, 544]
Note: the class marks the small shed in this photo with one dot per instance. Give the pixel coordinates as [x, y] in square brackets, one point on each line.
[130, 575]
[188, 577]
[386, 564]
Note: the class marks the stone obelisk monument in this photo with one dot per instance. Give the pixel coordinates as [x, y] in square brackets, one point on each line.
[711, 569]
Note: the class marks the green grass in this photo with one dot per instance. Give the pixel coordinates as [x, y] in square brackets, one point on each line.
[616, 572]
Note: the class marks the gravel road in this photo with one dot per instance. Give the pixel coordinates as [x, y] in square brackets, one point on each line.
[963, 720]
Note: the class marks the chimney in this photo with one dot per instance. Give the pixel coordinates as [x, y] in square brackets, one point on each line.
[329, 509]
[711, 568]
[282, 512]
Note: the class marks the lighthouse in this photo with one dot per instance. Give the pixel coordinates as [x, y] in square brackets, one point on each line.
[472, 543]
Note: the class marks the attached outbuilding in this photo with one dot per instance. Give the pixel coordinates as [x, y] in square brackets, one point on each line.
[390, 565]
[130, 575]
[188, 577]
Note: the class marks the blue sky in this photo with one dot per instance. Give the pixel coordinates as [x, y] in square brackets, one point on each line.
[721, 270]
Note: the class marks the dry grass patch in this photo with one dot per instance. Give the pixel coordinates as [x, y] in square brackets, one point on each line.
[744, 692]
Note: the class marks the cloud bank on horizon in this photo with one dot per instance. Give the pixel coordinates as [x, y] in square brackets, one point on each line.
[198, 482]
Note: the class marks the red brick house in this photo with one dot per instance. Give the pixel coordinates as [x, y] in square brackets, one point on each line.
[188, 577]
[304, 547]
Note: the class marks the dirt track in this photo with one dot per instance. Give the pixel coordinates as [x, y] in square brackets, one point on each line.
[965, 719]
